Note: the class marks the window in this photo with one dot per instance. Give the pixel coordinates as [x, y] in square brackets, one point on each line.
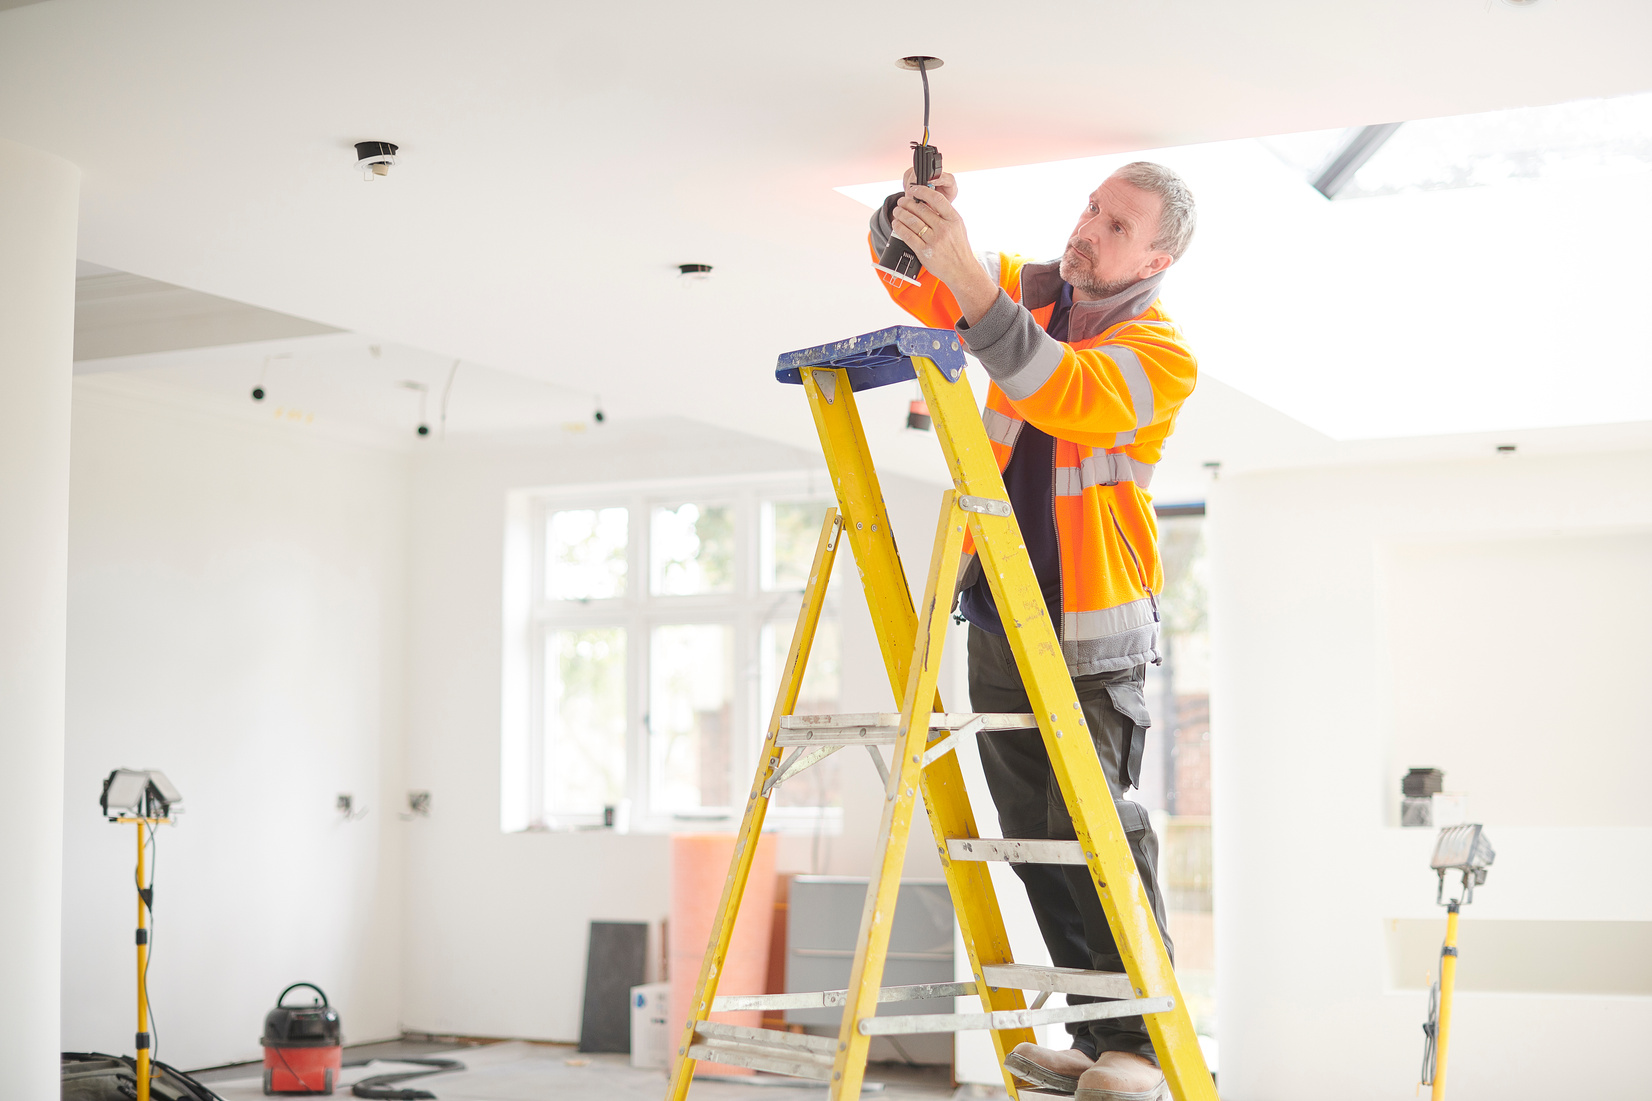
[1176, 768]
[647, 628]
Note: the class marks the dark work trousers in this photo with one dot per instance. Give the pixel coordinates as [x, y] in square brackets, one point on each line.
[1030, 805]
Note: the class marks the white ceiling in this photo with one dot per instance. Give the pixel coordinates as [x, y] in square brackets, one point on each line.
[349, 385]
[559, 160]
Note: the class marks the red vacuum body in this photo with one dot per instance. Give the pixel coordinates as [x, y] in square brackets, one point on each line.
[303, 1045]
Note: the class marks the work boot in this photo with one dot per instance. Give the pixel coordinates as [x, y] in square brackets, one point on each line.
[1122, 1076]
[1048, 1068]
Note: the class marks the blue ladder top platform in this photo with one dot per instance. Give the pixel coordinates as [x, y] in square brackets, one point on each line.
[879, 359]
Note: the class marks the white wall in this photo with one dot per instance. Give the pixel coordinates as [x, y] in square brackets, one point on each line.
[237, 619]
[1336, 666]
[38, 204]
[496, 923]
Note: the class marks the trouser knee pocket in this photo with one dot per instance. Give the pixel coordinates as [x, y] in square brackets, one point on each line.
[1131, 704]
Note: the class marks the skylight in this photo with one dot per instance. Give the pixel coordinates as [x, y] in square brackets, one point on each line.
[1583, 140]
[1443, 302]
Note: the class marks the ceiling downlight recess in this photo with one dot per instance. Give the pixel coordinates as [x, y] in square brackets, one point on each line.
[374, 158]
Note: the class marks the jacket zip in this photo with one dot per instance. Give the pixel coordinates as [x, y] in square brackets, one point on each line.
[1060, 566]
[1125, 539]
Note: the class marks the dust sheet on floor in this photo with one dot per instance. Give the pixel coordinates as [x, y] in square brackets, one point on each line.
[520, 1071]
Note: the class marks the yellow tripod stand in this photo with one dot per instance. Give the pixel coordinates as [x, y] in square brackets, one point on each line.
[923, 735]
[145, 900]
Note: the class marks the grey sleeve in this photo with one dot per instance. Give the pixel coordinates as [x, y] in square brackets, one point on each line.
[1016, 351]
[883, 223]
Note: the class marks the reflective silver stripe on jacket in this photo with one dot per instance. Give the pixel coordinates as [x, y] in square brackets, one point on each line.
[1101, 468]
[1040, 362]
[1001, 429]
[1135, 378]
[1108, 621]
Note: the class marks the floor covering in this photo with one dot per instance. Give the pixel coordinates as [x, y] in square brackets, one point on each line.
[520, 1071]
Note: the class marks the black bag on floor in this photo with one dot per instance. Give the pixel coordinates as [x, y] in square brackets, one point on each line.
[90, 1076]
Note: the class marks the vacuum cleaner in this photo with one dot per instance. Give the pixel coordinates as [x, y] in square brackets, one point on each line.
[303, 1045]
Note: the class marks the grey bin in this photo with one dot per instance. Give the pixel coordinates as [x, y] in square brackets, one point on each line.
[823, 921]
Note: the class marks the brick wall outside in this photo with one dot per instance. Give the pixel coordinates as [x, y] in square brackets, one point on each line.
[1193, 755]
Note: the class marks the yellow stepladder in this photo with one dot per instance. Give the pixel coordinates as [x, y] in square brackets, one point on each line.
[922, 738]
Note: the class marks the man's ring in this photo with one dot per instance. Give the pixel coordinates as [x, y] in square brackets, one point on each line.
[923, 231]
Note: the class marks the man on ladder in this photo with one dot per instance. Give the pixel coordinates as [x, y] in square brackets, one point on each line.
[1087, 376]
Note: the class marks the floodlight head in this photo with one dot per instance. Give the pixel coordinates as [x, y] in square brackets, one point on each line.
[1462, 849]
[139, 794]
[123, 792]
[163, 796]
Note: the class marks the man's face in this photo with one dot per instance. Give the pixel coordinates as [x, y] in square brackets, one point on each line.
[1111, 247]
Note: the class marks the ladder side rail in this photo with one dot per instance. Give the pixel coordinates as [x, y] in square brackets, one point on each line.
[797, 659]
[900, 802]
[860, 498]
[865, 520]
[974, 901]
[1043, 669]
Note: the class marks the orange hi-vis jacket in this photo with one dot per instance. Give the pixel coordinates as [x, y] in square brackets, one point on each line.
[1109, 397]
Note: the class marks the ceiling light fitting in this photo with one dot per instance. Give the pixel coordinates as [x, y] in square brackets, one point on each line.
[694, 273]
[374, 158]
[898, 263]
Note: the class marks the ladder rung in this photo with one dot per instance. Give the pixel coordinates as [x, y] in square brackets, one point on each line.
[882, 727]
[800, 1042]
[826, 999]
[719, 1052]
[1059, 980]
[1011, 1018]
[1014, 850]
[792, 1053]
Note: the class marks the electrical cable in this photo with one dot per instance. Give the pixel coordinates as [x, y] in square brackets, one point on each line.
[148, 903]
[1431, 1030]
[924, 73]
[299, 1078]
[446, 390]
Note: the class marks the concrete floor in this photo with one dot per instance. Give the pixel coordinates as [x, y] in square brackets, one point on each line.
[519, 1071]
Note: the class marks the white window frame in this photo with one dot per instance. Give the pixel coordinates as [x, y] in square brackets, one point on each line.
[529, 616]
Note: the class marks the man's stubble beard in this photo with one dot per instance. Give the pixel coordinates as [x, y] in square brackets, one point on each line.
[1079, 270]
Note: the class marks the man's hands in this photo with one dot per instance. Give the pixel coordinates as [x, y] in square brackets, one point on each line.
[925, 219]
[946, 183]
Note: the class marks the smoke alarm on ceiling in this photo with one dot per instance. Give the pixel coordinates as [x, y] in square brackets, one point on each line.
[374, 158]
